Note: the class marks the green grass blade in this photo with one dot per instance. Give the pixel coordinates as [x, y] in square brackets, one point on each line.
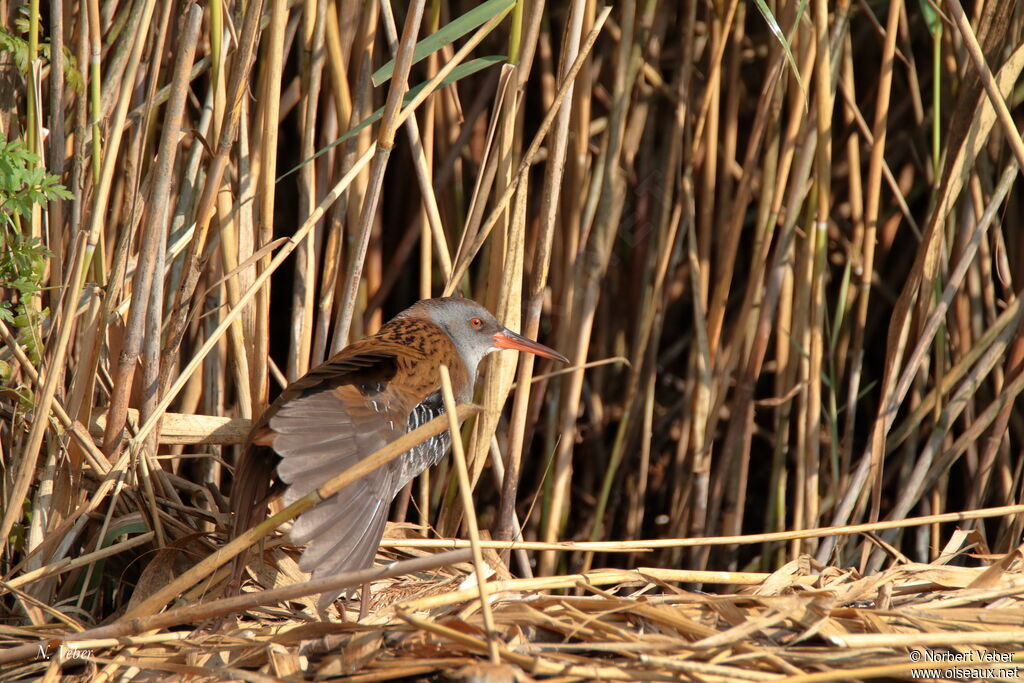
[773, 26]
[448, 34]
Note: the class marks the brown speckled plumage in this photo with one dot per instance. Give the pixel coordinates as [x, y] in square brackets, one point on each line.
[369, 394]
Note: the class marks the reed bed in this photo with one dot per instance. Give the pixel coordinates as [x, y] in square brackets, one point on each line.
[802, 622]
[776, 239]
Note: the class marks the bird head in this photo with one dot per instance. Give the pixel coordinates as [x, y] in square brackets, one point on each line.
[474, 331]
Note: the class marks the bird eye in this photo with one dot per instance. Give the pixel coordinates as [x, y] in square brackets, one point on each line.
[476, 322]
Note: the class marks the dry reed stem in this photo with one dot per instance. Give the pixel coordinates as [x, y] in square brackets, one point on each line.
[995, 96]
[227, 320]
[466, 490]
[528, 156]
[553, 177]
[652, 543]
[385, 141]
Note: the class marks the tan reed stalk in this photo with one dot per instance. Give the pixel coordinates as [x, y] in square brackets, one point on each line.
[844, 346]
[240, 69]
[871, 210]
[553, 178]
[385, 141]
[230, 236]
[422, 168]
[314, 19]
[331, 252]
[605, 228]
[817, 245]
[501, 287]
[143, 280]
[269, 114]
[466, 489]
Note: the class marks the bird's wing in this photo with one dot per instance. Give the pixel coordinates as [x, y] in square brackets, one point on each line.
[257, 460]
[348, 409]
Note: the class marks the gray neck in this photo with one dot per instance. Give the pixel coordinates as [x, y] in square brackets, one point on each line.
[471, 355]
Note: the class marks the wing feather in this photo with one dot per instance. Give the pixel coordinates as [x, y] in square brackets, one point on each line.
[320, 431]
[344, 531]
[326, 422]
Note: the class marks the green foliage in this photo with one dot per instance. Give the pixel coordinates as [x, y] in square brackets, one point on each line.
[773, 26]
[23, 182]
[462, 26]
[17, 46]
[23, 185]
[931, 19]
